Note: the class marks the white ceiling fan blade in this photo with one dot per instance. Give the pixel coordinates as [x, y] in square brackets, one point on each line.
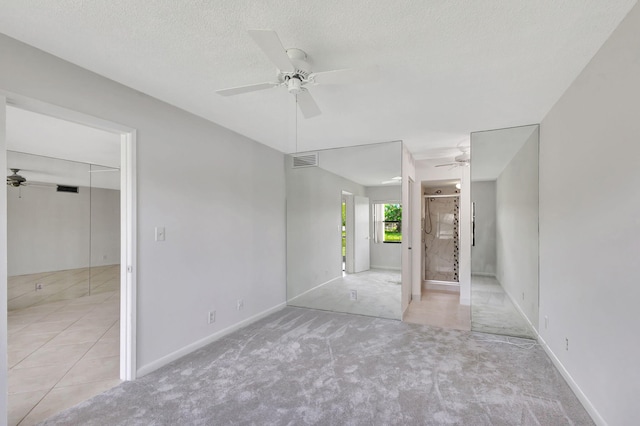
[448, 164]
[271, 45]
[307, 105]
[246, 89]
[347, 76]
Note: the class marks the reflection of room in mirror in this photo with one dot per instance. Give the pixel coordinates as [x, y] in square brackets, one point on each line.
[504, 257]
[63, 283]
[441, 236]
[344, 227]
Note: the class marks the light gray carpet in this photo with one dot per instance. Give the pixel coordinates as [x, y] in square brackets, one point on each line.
[493, 312]
[301, 366]
[379, 295]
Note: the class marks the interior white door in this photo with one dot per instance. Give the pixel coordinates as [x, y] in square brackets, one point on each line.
[361, 256]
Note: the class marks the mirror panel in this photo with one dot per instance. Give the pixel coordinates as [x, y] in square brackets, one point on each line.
[343, 230]
[504, 253]
[48, 231]
[105, 229]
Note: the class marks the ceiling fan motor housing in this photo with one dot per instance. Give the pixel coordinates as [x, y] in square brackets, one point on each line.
[15, 179]
[295, 80]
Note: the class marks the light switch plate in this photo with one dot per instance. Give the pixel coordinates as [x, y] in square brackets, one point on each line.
[159, 233]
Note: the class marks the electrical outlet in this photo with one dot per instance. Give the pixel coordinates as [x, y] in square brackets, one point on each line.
[240, 304]
[546, 322]
[353, 294]
[212, 317]
[567, 343]
[523, 295]
[38, 286]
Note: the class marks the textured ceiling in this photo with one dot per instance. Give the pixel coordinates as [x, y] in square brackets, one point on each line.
[448, 67]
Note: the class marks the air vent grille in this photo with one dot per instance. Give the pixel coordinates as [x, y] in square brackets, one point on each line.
[305, 160]
[65, 188]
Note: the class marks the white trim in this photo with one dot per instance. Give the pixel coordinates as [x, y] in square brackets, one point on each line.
[435, 285]
[154, 365]
[128, 270]
[34, 105]
[388, 268]
[404, 313]
[314, 288]
[483, 274]
[4, 346]
[595, 415]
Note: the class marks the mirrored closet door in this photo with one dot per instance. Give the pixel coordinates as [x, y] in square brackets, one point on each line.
[504, 252]
[344, 227]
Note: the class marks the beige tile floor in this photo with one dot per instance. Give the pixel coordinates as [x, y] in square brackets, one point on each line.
[64, 348]
[60, 285]
[440, 309]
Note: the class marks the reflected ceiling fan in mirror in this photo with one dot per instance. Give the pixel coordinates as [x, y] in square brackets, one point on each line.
[15, 179]
[461, 160]
[294, 72]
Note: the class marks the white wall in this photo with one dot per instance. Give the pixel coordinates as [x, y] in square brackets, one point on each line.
[41, 221]
[483, 253]
[426, 171]
[224, 217]
[389, 255]
[314, 226]
[517, 229]
[105, 227]
[590, 228]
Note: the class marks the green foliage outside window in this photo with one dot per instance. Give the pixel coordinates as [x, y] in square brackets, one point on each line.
[392, 223]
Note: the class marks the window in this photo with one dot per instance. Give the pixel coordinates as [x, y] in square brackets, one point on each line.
[387, 222]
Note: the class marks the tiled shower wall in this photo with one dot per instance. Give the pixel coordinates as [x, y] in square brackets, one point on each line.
[441, 239]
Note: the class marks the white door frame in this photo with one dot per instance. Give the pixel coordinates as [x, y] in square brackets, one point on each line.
[128, 217]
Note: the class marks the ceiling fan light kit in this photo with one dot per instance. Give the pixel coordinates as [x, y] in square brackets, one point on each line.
[294, 72]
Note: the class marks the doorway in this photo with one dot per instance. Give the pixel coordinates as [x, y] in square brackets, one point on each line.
[111, 274]
[440, 293]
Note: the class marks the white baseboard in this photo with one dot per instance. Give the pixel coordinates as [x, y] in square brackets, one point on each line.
[152, 366]
[389, 268]
[442, 286]
[404, 313]
[597, 418]
[483, 274]
[313, 288]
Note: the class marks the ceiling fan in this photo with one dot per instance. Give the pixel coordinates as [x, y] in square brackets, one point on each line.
[461, 160]
[15, 179]
[295, 73]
